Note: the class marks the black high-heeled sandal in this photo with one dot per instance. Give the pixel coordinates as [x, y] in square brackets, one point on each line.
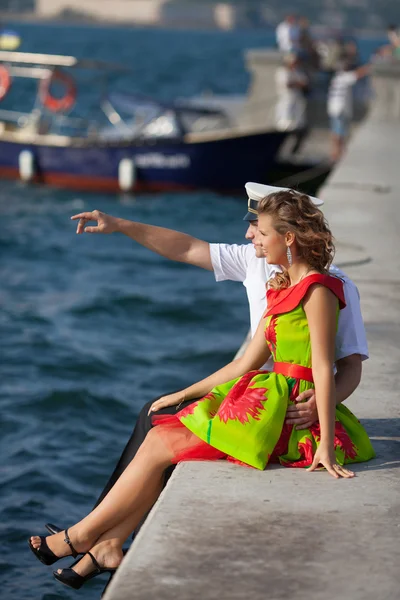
[47, 556]
[72, 579]
[53, 528]
[124, 552]
[103, 593]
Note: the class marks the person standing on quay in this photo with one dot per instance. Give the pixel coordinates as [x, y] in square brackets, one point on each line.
[340, 104]
[293, 86]
[288, 34]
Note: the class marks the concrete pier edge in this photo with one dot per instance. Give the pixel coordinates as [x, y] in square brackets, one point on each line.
[222, 531]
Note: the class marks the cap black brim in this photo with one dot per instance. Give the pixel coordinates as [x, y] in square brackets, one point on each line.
[250, 217]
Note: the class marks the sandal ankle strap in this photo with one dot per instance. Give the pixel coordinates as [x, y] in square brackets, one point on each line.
[96, 564]
[68, 541]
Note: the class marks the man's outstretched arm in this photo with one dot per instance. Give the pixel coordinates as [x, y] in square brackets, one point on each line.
[171, 244]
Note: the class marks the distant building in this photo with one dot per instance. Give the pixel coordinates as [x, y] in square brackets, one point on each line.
[222, 14]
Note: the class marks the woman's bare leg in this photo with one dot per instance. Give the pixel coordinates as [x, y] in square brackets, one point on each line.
[107, 550]
[132, 496]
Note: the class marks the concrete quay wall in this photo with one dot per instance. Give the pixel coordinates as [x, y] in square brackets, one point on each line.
[224, 531]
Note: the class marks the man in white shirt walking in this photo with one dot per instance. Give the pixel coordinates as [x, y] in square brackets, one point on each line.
[340, 105]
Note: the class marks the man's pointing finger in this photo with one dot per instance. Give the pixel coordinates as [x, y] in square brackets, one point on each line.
[85, 215]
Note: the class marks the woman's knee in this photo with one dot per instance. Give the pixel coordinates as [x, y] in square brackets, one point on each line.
[156, 445]
[154, 439]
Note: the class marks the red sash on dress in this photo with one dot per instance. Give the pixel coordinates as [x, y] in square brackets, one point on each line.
[292, 370]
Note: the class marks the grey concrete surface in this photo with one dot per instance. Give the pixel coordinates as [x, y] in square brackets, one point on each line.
[222, 531]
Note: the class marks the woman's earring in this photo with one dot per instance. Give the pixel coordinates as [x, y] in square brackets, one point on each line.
[289, 256]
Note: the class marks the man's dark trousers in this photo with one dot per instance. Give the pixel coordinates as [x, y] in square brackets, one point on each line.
[142, 427]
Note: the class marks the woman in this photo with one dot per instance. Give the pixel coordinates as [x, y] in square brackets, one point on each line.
[241, 414]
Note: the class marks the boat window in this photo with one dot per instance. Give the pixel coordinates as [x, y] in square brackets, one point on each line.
[163, 126]
[197, 122]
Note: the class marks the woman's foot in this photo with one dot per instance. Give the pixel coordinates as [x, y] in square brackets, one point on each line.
[108, 555]
[66, 543]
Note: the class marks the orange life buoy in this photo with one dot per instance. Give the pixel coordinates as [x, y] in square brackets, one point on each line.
[5, 82]
[66, 102]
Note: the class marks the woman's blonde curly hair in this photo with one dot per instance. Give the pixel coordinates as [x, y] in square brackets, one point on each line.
[295, 212]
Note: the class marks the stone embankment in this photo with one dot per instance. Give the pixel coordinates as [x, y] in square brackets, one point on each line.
[222, 531]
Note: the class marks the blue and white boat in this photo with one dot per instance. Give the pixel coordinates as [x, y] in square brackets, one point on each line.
[135, 144]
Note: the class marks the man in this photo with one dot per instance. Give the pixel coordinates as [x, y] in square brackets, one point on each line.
[245, 263]
[287, 34]
[390, 51]
[394, 39]
[292, 85]
[340, 104]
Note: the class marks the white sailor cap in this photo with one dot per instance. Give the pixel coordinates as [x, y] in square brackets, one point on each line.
[258, 191]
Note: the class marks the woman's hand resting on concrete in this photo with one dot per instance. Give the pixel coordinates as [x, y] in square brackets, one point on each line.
[325, 456]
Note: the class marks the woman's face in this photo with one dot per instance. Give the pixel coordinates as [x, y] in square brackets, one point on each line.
[272, 243]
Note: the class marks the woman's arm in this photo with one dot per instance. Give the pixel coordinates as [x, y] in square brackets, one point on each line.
[255, 356]
[320, 307]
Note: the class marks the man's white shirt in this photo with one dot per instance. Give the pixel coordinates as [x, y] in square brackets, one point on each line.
[340, 94]
[287, 36]
[291, 107]
[239, 263]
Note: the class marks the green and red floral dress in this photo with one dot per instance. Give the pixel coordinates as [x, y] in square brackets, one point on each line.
[243, 420]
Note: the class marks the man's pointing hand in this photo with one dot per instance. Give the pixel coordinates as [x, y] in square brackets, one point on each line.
[105, 223]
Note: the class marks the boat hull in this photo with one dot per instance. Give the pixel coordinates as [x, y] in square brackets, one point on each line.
[223, 164]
